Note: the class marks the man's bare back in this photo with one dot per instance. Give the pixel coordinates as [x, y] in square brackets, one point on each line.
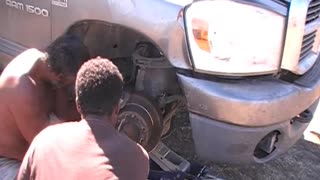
[24, 106]
[28, 92]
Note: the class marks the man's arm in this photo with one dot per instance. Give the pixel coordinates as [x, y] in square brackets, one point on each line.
[30, 115]
[24, 172]
[65, 106]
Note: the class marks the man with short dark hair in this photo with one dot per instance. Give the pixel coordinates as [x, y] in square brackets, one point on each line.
[91, 148]
[33, 90]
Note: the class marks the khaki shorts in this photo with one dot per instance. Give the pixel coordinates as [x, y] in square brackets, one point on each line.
[9, 168]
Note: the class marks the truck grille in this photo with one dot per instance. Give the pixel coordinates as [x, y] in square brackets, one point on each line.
[313, 11]
[308, 39]
[301, 13]
[307, 44]
[283, 2]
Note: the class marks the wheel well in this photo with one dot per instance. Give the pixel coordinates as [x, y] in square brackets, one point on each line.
[119, 43]
[143, 66]
[111, 41]
[107, 40]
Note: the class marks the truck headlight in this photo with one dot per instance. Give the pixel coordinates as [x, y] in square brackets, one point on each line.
[232, 38]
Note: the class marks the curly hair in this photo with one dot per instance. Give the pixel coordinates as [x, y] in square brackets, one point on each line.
[66, 54]
[99, 87]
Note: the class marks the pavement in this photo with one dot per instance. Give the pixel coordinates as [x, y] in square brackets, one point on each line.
[302, 161]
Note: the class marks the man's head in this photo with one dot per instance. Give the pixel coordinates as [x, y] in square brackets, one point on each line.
[98, 88]
[65, 57]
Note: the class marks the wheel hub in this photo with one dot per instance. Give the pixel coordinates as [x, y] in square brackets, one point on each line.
[140, 120]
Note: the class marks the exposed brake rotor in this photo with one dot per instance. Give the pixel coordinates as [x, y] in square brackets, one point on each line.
[140, 120]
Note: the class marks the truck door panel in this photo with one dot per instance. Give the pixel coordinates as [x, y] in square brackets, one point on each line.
[26, 22]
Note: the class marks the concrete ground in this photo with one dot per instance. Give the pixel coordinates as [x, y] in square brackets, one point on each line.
[302, 161]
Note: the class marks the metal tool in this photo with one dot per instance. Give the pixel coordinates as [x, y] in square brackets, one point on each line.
[170, 161]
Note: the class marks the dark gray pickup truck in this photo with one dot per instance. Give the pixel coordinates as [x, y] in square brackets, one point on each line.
[248, 70]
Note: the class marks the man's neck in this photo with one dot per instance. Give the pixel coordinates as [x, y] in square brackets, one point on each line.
[100, 127]
[100, 119]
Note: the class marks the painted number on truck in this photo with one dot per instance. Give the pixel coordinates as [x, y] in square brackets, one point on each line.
[28, 8]
[36, 10]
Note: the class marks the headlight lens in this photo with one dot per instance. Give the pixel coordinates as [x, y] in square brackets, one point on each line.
[232, 38]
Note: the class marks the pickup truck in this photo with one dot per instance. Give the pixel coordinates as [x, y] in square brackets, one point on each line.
[247, 70]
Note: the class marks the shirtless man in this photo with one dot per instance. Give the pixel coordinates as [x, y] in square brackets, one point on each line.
[91, 148]
[32, 86]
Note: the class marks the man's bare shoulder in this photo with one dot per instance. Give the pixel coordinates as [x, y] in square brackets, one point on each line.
[23, 63]
[20, 94]
[16, 75]
[18, 88]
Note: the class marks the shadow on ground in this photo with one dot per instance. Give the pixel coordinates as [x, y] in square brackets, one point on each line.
[302, 161]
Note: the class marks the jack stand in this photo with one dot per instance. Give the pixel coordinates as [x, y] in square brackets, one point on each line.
[169, 161]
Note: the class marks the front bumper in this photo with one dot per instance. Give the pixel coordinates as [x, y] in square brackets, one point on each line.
[229, 118]
[252, 102]
[221, 142]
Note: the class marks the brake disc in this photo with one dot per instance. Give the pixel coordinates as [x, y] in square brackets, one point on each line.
[140, 119]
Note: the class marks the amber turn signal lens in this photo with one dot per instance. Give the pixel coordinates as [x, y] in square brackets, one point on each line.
[200, 33]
